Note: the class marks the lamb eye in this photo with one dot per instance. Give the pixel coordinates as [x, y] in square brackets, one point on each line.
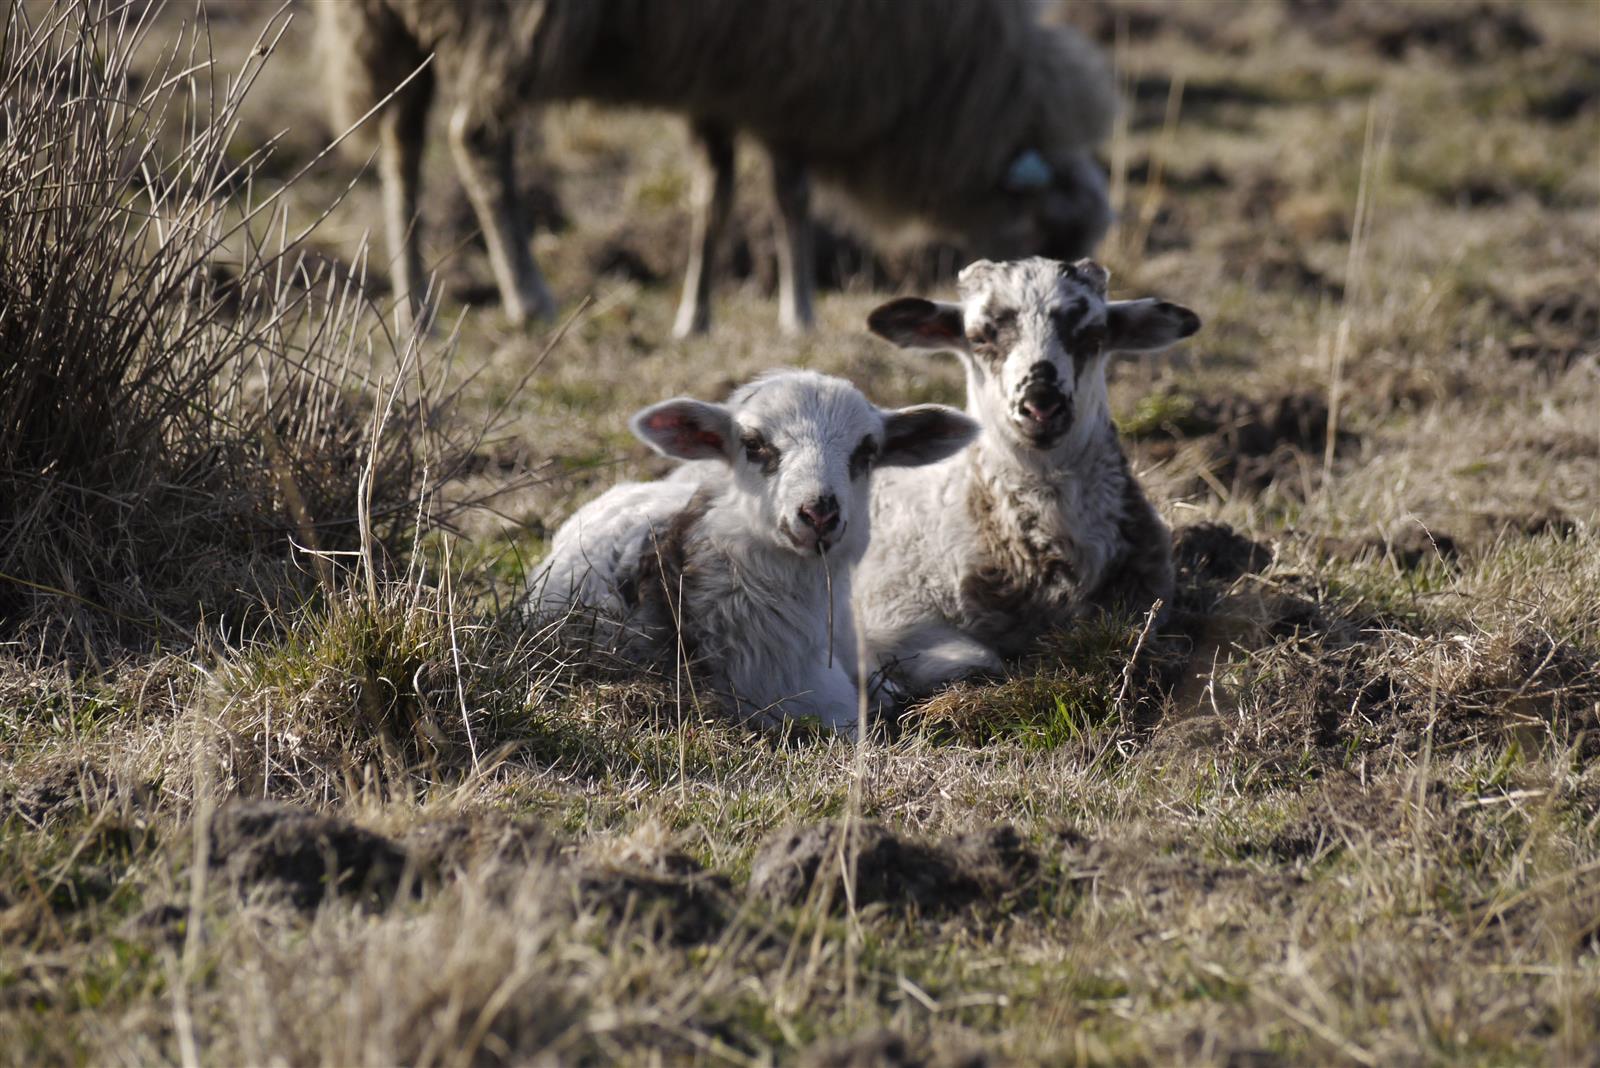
[760, 452]
[862, 457]
[990, 334]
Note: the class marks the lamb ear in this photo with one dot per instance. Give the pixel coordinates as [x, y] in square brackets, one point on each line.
[915, 323]
[686, 429]
[1145, 325]
[924, 434]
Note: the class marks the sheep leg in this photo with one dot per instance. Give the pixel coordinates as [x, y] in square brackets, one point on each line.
[834, 700]
[1145, 575]
[791, 188]
[483, 151]
[713, 200]
[401, 129]
[938, 654]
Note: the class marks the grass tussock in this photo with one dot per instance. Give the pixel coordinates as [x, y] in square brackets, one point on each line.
[186, 392]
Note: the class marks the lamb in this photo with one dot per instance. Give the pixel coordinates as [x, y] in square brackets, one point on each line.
[1041, 521]
[729, 562]
[955, 118]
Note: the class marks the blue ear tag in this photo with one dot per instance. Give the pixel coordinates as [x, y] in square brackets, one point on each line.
[1029, 171]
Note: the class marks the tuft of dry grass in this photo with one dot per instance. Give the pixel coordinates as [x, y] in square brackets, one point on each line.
[187, 393]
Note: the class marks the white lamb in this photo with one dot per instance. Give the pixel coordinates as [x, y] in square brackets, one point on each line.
[727, 562]
[1041, 521]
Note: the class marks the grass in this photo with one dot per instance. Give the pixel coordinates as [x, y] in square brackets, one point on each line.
[1341, 810]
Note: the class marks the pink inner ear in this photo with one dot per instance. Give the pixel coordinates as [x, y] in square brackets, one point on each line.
[686, 431]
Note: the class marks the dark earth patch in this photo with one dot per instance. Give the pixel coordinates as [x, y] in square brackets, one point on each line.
[1208, 175]
[798, 861]
[1544, 522]
[448, 847]
[1409, 550]
[1460, 32]
[302, 854]
[884, 1048]
[1554, 329]
[1569, 97]
[1217, 103]
[674, 898]
[1359, 695]
[1160, 876]
[1215, 552]
[1253, 442]
[672, 895]
[617, 258]
[64, 790]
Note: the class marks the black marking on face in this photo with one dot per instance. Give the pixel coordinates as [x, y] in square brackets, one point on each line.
[760, 452]
[995, 335]
[1081, 336]
[1043, 371]
[861, 459]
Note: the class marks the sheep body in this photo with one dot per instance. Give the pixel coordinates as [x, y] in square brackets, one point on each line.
[722, 564]
[669, 576]
[1041, 521]
[918, 109]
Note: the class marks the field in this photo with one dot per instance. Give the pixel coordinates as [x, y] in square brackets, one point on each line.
[334, 804]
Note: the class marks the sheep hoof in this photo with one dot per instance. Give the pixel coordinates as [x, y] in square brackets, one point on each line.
[531, 314]
[687, 327]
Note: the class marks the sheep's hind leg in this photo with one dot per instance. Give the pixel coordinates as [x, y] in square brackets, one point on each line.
[797, 277]
[483, 152]
[402, 128]
[713, 200]
[936, 655]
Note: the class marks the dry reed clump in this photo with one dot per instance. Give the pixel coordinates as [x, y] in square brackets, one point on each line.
[181, 398]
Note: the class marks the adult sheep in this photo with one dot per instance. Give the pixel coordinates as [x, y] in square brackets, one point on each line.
[956, 118]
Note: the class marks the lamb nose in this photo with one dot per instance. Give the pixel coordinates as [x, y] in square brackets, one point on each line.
[822, 515]
[1041, 410]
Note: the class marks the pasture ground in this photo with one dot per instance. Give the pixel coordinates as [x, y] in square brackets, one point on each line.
[1348, 810]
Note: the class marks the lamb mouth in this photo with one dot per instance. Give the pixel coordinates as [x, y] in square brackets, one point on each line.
[808, 544]
[1042, 435]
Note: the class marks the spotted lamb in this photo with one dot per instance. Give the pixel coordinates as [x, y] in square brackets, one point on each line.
[1041, 521]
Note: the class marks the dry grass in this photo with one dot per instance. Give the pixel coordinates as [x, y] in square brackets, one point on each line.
[1343, 810]
[184, 383]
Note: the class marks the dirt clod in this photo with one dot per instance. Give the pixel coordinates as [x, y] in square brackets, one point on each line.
[885, 1048]
[1461, 33]
[59, 790]
[1253, 442]
[1215, 552]
[1555, 329]
[622, 261]
[449, 846]
[303, 854]
[683, 904]
[889, 869]
[1411, 549]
